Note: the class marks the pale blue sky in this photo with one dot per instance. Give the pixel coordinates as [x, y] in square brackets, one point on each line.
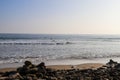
[60, 16]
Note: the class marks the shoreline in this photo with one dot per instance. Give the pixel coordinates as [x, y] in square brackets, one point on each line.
[63, 62]
[62, 67]
[86, 71]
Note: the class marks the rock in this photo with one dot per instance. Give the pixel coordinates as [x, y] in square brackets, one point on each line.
[111, 63]
[28, 68]
[4, 78]
[9, 73]
[42, 68]
[40, 72]
[15, 76]
[117, 66]
[27, 63]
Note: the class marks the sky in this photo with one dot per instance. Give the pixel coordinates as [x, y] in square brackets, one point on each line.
[60, 16]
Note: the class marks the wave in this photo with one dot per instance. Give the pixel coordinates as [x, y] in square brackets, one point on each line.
[39, 58]
[44, 43]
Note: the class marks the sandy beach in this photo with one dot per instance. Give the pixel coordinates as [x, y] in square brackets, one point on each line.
[64, 67]
[53, 67]
[81, 66]
[60, 40]
[86, 71]
[63, 64]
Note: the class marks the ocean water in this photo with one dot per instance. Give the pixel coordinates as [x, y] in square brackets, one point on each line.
[16, 48]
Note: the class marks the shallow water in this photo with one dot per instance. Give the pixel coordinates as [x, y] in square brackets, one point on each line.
[16, 48]
[63, 62]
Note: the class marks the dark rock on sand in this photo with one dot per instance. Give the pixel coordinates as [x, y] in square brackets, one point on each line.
[111, 63]
[29, 71]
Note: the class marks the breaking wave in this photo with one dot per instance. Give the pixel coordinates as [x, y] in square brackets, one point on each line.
[44, 43]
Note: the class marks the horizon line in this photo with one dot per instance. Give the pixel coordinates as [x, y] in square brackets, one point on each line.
[59, 33]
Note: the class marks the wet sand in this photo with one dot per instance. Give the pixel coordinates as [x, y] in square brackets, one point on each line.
[64, 67]
[81, 66]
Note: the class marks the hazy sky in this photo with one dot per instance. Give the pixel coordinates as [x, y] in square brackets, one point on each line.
[60, 16]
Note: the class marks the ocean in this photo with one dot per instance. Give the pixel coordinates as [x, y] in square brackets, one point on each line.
[16, 48]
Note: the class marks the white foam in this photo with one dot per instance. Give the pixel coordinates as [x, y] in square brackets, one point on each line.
[64, 62]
